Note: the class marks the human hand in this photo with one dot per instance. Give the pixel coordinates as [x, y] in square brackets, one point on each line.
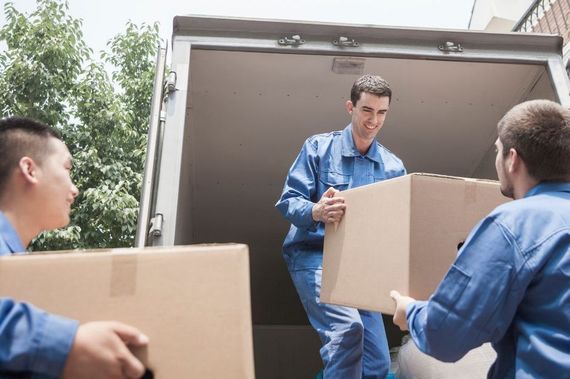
[402, 302]
[100, 351]
[329, 209]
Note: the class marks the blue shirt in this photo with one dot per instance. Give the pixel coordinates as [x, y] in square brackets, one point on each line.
[510, 285]
[326, 160]
[31, 340]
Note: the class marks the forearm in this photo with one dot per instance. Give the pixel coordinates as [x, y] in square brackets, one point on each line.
[32, 340]
[446, 338]
[298, 211]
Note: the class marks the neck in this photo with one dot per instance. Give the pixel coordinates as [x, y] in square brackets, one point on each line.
[522, 186]
[361, 145]
[21, 220]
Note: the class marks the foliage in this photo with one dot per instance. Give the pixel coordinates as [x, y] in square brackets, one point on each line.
[48, 73]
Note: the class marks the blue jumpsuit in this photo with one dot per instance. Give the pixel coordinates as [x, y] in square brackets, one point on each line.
[353, 341]
[33, 343]
[510, 285]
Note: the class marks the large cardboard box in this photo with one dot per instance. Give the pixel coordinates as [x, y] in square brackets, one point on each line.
[192, 301]
[400, 234]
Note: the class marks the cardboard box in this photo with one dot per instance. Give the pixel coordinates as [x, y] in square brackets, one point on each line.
[192, 301]
[400, 234]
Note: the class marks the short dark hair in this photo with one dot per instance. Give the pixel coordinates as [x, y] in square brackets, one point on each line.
[539, 130]
[372, 84]
[19, 137]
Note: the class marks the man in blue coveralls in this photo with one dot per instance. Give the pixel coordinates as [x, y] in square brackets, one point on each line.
[36, 193]
[510, 284]
[353, 341]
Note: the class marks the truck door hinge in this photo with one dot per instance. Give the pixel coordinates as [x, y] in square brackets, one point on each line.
[170, 83]
[450, 47]
[294, 40]
[344, 41]
[155, 229]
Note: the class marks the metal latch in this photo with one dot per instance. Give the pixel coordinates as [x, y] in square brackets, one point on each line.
[170, 83]
[344, 41]
[294, 40]
[450, 47]
[155, 229]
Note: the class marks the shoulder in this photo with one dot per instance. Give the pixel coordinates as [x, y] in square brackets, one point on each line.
[321, 142]
[323, 138]
[534, 219]
[541, 206]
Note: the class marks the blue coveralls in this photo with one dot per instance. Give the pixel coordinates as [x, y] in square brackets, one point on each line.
[354, 342]
[510, 285]
[33, 343]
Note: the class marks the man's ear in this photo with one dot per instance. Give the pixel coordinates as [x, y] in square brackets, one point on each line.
[349, 106]
[515, 162]
[28, 168]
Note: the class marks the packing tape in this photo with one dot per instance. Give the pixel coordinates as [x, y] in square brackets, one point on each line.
[123, 275]
[470, 192]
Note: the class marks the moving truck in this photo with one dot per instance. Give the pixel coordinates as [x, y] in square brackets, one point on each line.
[240, 97]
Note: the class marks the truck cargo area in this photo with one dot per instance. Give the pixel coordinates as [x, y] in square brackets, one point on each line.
[244, 104]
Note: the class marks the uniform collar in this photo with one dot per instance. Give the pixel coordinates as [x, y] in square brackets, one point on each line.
[350, 150]
[10, 236]
[548, 187]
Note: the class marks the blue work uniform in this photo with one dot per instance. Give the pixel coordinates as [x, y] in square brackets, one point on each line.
[33, 343]
[353, 341]
[510, 285]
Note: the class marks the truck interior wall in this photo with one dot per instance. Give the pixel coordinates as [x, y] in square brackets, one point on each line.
[248, 113]
[540, 89]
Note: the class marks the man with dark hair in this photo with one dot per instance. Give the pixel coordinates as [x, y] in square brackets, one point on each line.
[510, 284]
[36, 193]
[354, 341]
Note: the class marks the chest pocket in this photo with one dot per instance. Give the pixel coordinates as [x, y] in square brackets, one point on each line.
[335, 180]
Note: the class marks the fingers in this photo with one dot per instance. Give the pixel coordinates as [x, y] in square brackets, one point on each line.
[329, 209]
[132, 367]
[330, 192]
[395, 295]
[334, 216]
[333, 201]
[400, 304]
[340, 207]
[130, 335]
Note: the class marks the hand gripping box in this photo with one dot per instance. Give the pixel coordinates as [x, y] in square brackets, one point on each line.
[400, 234]
[192, 301]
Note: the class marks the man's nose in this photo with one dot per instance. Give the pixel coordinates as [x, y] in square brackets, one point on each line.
[74, 190]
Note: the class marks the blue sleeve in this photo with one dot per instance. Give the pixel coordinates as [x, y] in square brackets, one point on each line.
[296, 202]
[476, 301]
[32, 340]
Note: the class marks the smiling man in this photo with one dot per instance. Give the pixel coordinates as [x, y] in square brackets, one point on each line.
[354, 342]
[36, 193]
[510, 283]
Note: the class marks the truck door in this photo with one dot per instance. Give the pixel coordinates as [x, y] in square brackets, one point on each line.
[148, 222]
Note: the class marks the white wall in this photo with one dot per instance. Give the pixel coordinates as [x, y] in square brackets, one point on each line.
[497, 15]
